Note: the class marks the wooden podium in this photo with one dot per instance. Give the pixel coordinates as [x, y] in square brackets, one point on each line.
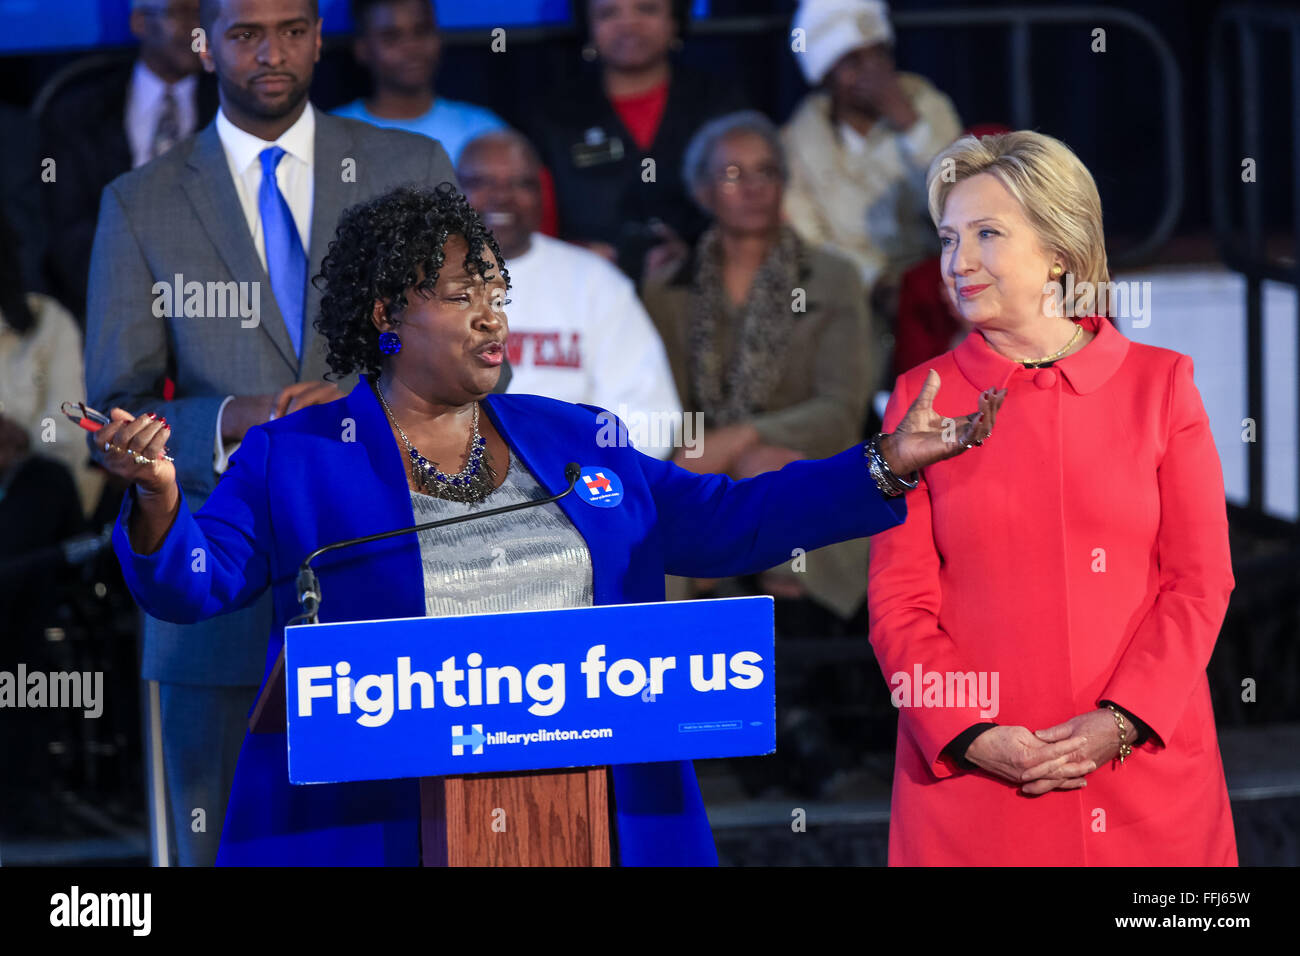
[539, 818]
[533, 818]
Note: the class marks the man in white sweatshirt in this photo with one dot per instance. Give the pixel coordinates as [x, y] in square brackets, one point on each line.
[578, 332]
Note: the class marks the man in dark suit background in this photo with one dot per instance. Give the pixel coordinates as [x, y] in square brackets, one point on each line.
[113, 119]
[243, 212]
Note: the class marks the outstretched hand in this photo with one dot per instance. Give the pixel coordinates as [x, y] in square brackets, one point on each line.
[924, 436]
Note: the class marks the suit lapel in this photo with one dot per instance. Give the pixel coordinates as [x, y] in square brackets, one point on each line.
[210, 189]
[375, 435]
[333, 143]
[371, 501]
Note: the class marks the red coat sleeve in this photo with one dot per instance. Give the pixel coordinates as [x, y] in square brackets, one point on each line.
[904, 599]
[1171, 647]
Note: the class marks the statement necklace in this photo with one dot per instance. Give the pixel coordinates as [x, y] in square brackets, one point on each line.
[471, 484]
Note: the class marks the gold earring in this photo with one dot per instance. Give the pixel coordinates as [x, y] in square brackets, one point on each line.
[1056, 270]
[590, 53]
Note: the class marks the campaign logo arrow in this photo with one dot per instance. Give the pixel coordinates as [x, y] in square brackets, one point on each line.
[473, 740]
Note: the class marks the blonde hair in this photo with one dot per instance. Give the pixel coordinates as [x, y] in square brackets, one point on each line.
[1056, 192]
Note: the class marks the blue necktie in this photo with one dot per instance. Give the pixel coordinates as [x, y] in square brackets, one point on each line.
[286, 263]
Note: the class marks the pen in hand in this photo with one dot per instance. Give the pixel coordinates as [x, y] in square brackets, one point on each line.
[83, 416]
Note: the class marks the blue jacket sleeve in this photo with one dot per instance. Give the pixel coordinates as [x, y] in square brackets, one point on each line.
[715, 526]
[212, 561]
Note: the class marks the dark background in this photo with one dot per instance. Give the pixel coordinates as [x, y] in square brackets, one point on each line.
[1108, 107]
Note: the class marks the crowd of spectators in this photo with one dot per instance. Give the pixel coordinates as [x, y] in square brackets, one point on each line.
[673, 252]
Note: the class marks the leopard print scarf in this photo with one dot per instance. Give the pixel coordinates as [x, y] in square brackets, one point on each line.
[766, 322]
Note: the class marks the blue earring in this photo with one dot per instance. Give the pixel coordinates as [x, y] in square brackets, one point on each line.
[389, 343]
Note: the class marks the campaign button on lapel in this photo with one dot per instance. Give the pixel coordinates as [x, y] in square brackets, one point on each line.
[599, 487]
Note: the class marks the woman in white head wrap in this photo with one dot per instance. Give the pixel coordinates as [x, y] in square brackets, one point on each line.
[860, 142]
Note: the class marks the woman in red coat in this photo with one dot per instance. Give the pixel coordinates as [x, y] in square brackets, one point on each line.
[1045, 615]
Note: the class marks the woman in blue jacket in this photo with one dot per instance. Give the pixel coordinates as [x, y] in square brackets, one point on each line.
[414, 289]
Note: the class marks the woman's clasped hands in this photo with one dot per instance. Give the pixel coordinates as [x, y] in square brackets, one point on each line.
[1054, 758]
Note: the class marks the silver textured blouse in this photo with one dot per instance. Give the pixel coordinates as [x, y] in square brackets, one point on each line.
[533, 559]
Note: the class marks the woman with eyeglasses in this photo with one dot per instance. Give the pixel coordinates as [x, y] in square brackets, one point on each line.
[769, 337]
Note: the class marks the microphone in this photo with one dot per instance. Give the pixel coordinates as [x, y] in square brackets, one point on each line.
[309, 596]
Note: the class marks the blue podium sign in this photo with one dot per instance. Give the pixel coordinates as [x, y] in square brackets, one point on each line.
[530, 690]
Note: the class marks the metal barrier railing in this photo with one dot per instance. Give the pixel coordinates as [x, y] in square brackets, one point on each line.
[1248, 254]
[1019, 21]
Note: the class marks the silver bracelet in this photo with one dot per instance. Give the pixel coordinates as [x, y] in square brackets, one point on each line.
[890, 484]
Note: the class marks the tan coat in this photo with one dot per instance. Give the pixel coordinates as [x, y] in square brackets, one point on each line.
[832, 366]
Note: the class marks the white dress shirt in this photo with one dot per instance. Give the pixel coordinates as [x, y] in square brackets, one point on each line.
[144, 104]
[293, 175]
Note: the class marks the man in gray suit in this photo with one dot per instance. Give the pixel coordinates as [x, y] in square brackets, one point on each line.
[200, 272]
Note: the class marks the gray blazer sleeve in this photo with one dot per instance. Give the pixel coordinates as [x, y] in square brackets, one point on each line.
[126, 348]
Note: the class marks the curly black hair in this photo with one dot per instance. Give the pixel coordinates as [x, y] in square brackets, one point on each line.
[381, 249]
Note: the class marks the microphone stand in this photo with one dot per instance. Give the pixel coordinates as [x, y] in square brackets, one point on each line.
[268, 714]
[309, 596]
